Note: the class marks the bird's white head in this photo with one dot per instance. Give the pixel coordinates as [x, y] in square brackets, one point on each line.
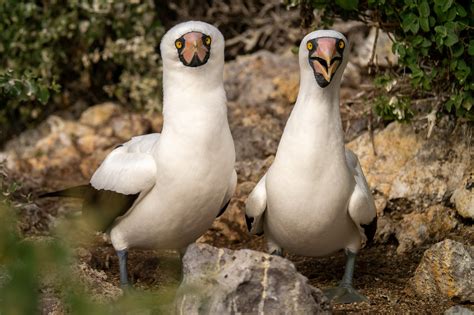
[192, 47]
[323, 55]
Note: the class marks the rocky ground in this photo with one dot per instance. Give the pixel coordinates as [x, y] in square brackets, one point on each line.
[422, 187]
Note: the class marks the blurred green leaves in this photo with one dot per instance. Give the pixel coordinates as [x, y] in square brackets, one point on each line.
[35, 267]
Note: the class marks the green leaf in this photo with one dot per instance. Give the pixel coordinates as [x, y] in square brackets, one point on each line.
[446, 5]
[410, 23]
[451, 14]
[470, 49]
[426, 43]
[43, 95]
[441, 30]
[348, 4]
[424, 9]
[460, 10]
[451, 39]
[425, 24]
[458, 50]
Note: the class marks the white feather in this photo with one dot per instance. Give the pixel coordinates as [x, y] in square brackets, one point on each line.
[130, 168]
[361, 206]
[256, 205]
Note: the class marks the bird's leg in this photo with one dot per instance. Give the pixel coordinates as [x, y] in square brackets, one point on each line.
[344, 292]
[273, 248]
[122, 256]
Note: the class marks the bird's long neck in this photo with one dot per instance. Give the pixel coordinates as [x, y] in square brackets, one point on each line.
[314, 130]
[193, 103]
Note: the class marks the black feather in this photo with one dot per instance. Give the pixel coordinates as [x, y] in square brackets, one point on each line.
[100, 207]
[224, 208]
[369, 230]
[249, 221]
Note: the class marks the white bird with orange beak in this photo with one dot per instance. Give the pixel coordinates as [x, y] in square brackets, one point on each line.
[314, 199]
[163, 191]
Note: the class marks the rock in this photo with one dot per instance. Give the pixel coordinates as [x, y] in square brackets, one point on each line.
[446, 271]
[463, 198]
[263, 76]
[363, 50]
[91, 143]
[127, 126]
[408, 165]
[395, 146]
[222, 281]
[98, 115]
[458, 310]
[431, 225]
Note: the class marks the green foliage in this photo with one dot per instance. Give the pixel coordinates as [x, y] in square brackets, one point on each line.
[30, 266]
[93, 49]
[24, 98]
[432, 39]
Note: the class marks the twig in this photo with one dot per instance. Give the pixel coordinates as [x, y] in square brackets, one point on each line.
[374, 48]
[371, 132]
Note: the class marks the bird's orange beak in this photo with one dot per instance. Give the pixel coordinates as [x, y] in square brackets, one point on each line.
[325, 58]
[193, 48]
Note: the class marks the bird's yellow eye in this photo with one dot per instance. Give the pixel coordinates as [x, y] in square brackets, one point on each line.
[208, 40]
[309, 45]
[178, 44]
[341, 44]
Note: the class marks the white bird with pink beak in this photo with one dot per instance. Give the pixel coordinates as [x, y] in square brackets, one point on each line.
[163, 191]
[314, 199]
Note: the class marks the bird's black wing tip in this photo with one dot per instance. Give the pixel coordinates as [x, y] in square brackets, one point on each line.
[249, 221]
[224, 208]
[369, 230]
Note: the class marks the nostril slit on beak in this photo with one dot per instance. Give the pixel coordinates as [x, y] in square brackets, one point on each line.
[322, 62]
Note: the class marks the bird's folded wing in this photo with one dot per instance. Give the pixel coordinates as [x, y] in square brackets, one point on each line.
[361, 205]
[229, 193]
[255, 207]
[129, 169]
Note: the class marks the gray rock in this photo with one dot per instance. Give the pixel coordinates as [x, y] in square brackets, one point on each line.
[446, 271]
[222, 281]
[431, 225]
[458, 310]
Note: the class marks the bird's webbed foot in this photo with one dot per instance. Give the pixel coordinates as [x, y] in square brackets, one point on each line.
[344, 294]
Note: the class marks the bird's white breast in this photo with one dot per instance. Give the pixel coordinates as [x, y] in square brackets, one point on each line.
[307, 200]
[193, 173]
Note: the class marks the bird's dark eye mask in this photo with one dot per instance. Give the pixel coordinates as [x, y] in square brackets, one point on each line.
[325, 56]
[194, 48]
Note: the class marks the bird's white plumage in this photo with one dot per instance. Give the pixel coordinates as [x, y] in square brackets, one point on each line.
[130, 168]
[256, 205]
[314, 195]
[185, 174]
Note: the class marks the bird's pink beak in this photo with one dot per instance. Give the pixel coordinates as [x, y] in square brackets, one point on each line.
[325, 59]
[194, 51]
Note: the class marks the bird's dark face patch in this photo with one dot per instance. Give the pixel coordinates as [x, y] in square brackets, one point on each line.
[325, 56]
[194, 48]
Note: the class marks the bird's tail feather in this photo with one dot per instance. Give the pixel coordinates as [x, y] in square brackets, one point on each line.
[74, 192]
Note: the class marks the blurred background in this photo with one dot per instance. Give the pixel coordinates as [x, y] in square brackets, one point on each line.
[79, 77]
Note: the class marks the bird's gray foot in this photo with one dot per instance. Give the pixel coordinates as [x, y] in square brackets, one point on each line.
[123, 256]
[277, 252]
[344, 294]
[273, 248]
